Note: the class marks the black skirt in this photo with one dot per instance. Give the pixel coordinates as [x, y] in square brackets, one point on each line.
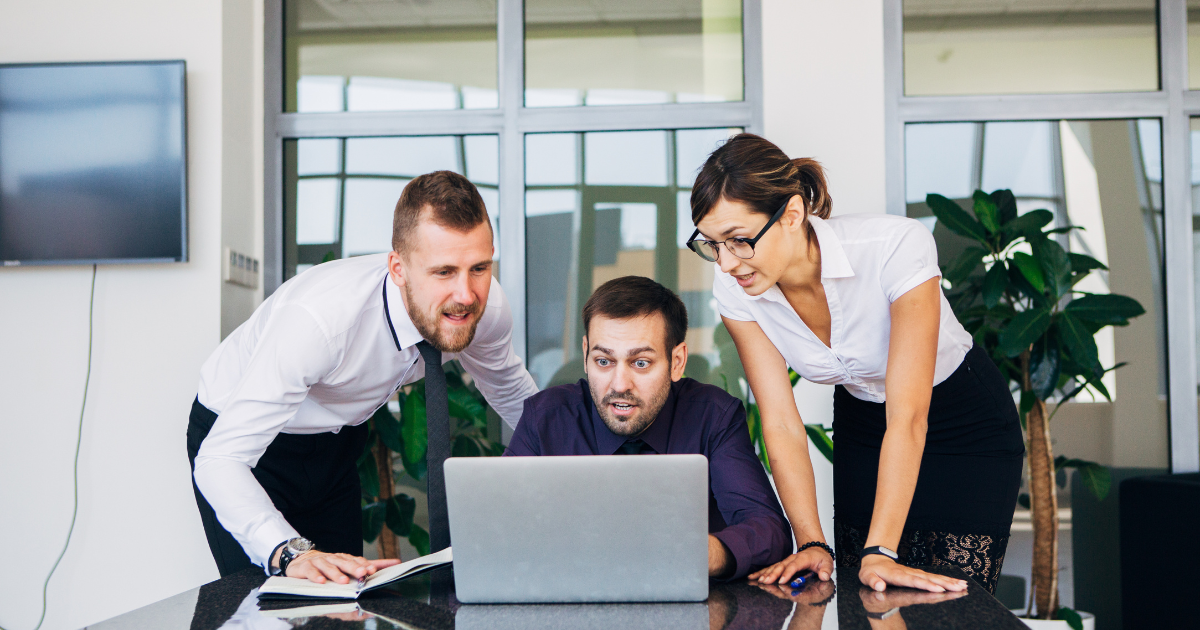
[970, 470]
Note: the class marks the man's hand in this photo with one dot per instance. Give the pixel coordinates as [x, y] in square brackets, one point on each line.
[813, 559]
[318, 566]
[877, 571]
[720, 561]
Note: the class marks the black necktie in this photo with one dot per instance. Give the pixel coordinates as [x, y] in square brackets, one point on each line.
[635, 447]
[437, 423]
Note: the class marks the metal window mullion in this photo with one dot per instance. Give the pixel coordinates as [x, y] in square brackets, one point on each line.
[1005, 107]
[1178, 239]
[272, 146]
[893, 91]
[636, 117]
[752, 66]
[510, 41]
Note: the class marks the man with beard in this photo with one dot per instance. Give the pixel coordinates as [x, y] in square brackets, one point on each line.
[635, 401]
[279, 420]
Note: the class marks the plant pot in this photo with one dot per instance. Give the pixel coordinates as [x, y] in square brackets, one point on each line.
[1089, 622]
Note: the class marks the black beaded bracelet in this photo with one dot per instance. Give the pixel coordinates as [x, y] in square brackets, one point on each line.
[822, 545]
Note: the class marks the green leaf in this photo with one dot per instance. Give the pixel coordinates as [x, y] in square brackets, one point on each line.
[955, 218]
[1022, 331]
[466, 404]
[1082, 263]
[963, 265]
[1055, 265]
[1023, 500]
[1029, 223]
[754, 423]
[329, 255]
[1006, 203]
[413, 431]
[987, 212]
[820, 439]
[1109, 309]
[388, 428]
[368, 475]
[373, 516]
[419, 539]
[400, 510]
[1028, 398]
[1031, 270]
[994, 284]
[1096, 478]
[1044, 368]
[1071, 617]
[465, 446]
[793, 377]
[1078, 341]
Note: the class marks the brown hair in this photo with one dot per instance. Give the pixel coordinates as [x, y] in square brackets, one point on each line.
[449, 199]
[636, 296]
[752, 170]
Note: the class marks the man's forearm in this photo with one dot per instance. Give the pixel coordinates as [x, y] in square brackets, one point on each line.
[720, 561]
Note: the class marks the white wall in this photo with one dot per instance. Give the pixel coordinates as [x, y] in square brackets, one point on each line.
[823, 98]
[138, 538]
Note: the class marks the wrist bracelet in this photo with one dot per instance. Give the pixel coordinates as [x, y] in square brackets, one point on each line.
[822, 545]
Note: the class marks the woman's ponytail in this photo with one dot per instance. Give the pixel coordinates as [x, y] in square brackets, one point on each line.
[811, 178]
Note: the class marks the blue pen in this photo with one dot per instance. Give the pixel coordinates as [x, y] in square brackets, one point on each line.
[801, 580]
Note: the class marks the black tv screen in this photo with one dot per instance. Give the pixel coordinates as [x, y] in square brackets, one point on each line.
[92, 163]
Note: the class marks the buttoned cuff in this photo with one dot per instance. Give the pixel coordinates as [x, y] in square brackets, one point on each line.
[266, 538]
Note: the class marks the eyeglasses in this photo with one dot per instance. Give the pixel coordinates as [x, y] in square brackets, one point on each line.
[741, 247]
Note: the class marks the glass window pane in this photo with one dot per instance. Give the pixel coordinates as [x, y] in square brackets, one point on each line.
[625, 158]
[631, 215]
[1193, 15]
[939, 160]
[1030, 46]
[1195, 124]
[580, 52]
[1103, 176]
[316, 211]
[389, 56]
[340, 193]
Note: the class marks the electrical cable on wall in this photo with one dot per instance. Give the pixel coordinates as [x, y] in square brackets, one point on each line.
[78, 442]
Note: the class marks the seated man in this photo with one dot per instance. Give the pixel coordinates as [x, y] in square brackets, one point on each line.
[635, 400]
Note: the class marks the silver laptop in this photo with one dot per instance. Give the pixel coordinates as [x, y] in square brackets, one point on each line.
[579, 529]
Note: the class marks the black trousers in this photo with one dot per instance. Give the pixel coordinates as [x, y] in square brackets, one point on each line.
[311, 479]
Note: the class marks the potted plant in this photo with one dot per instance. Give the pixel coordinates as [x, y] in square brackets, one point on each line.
[1014, 290]
[388, 514]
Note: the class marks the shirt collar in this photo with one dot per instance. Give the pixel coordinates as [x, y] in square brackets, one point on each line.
[834, 263]
[404, 333]
[657, 435]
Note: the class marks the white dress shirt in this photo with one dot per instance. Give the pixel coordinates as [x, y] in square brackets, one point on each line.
[323, 352]
[867, 262]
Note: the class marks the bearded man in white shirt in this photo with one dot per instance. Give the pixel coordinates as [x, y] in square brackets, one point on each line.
[280, 415]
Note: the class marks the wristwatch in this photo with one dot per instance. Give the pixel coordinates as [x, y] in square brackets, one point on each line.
[291, 550]
[878, 550]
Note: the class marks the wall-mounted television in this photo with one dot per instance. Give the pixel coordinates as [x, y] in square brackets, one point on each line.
[93, 163]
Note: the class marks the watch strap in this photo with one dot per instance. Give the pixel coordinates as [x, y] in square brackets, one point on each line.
[272, 569]
[879, 550]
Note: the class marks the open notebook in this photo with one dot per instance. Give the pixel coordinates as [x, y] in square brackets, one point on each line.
[293, 588]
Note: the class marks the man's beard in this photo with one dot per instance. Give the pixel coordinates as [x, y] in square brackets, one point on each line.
[633, 425]
[454, 340]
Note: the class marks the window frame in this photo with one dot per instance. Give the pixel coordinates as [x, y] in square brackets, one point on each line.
[510, 121]
[1173, 103]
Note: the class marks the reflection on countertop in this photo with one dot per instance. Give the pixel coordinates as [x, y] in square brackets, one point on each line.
[427, 602]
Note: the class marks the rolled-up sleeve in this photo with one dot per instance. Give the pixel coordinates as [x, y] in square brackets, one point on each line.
[756, 533]
[492, 363]
[293, 353]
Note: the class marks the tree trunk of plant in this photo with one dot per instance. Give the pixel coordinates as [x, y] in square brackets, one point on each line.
[388, 545]
[1043, 499]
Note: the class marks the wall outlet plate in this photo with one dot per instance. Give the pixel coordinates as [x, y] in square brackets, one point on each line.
[240, 269]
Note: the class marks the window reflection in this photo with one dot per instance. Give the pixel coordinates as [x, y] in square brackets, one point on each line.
[1030, 46]
[1104, 176]
[389, 56]
[579, 52]
[341, 193]
[612, 204]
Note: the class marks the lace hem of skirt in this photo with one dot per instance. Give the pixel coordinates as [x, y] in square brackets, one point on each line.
[979, 556]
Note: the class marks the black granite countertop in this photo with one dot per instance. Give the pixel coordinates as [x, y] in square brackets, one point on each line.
[427, 602]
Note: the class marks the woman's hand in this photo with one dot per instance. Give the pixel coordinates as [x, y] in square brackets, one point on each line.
[318, 566]
[877, 572]
[812, 559]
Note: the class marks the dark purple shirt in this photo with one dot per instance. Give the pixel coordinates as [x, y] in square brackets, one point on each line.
[743, 512]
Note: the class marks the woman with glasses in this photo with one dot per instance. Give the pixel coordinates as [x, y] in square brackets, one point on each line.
[928, 447]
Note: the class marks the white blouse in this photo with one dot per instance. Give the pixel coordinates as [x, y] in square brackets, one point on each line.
[867, 262]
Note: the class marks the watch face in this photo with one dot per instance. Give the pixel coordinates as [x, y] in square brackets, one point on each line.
[298, 546]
